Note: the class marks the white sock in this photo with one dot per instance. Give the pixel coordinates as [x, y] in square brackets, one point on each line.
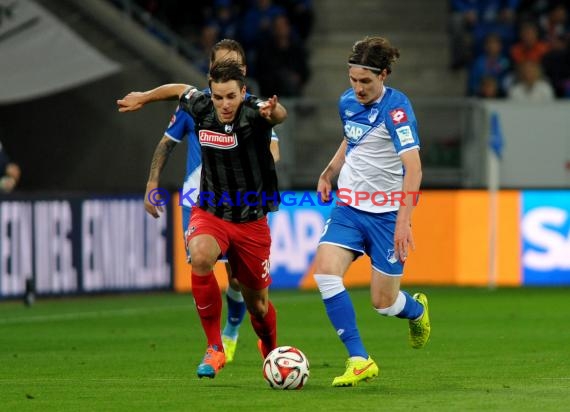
[329, 285]
[234, 294]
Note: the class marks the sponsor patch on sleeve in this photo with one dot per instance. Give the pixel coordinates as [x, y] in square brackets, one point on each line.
[398, 116]
[405, 135]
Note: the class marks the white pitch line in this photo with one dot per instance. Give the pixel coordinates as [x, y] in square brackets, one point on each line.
[63, 380]
[91, 315]
[129, 312]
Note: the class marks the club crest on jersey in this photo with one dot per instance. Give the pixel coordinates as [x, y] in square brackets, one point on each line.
[354, 131]
[217, 140]
[398, 116]
[228, 128]
[373, 115]
[391, 256]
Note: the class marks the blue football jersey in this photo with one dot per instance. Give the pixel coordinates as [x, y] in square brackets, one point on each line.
[376, 135]
[181, 126]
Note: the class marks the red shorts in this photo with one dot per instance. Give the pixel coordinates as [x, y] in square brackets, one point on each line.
[246, 245]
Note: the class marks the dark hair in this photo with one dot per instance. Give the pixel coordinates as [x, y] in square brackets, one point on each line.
[226, 70]
[374, 52]
[229, 45]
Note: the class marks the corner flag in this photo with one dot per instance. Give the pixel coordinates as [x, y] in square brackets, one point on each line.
[496, 140]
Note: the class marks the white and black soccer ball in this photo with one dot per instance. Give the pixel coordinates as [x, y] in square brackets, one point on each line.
[286, 367]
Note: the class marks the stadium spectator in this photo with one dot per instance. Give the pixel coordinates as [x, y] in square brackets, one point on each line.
[9, 172]
[256, 24]
[554, 24]
[282, 64]
[302, 16]
[208, 38]
[183, 17]
[225, 19]
[380, 141]
[493, 63]
[532, 10]
[472, 20]
[529, 47]
[227, 118]
[203, 22]
[556, 66]
[488, 88]
[530, 86]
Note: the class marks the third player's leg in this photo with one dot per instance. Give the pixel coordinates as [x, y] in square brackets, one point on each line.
[235, 313]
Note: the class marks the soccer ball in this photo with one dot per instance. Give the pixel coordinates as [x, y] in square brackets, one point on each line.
[286, 367]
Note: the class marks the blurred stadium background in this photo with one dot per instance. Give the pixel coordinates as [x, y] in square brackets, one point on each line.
[494, 212]
[494, 208]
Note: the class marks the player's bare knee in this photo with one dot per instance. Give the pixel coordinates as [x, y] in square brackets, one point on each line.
[323, 265]
[202, 262]
[388, 306]
[258, 309]
[381, 302]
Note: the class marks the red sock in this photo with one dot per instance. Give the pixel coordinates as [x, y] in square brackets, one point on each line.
[209, 305]
[266, 328]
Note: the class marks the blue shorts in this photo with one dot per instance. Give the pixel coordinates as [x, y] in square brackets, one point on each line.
[186, 213]
[364, 232]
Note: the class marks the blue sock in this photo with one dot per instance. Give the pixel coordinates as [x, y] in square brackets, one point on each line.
[412, 309]
[341, 314]
[236, 312]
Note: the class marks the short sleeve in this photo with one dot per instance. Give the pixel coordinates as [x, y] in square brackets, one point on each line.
[180, 125]
[194, 102]
[402, 126]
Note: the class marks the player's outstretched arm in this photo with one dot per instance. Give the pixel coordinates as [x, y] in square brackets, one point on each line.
[274, 148]
[135, 100]
[273, 111]
[152, 201]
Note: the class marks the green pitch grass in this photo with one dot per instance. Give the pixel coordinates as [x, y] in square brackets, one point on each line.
[504, 350]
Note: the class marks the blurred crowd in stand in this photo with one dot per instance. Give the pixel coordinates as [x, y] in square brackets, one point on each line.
[273, 33]
[516, 49]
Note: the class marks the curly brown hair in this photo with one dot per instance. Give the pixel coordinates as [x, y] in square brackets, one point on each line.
[376, 52]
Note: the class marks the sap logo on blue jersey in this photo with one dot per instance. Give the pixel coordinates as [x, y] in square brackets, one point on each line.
[354, 131]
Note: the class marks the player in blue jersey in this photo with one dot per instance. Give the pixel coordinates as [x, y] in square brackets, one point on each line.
[182, 126]
[379, 171]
